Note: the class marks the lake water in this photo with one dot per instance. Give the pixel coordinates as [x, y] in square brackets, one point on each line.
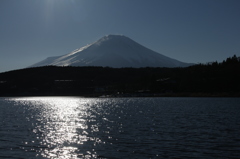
[75, 127]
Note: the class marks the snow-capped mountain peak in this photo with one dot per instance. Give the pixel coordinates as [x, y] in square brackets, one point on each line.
[113, 51]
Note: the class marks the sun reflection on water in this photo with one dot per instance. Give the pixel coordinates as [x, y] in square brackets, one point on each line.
[61, 125]
[74, 127]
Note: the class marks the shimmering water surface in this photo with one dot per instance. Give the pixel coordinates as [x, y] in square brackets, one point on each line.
[74, 127]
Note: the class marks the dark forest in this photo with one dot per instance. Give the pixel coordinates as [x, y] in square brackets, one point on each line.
[211, 79]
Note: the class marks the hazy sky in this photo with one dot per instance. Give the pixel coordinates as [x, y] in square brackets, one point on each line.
[196, 31]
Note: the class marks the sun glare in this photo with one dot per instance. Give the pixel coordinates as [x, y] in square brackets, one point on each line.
[61, 126]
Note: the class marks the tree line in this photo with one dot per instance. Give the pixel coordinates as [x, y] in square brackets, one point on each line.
[210, 79]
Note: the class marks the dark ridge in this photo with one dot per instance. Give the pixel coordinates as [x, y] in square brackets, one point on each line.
[211, 79]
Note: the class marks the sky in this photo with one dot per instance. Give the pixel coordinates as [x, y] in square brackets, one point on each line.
[194, 31]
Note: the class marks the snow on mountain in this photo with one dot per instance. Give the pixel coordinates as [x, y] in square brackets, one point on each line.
[114, 51]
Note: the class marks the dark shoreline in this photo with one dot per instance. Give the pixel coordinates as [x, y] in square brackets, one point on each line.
[202, 80]
[204, 95]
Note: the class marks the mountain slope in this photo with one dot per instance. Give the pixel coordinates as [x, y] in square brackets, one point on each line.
[114, 51]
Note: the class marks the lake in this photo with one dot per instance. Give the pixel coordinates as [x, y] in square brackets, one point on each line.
[76, 127]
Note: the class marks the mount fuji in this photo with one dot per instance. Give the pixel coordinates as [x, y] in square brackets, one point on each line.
[113, 51]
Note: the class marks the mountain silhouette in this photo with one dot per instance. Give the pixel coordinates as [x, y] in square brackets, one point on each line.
[113, 51]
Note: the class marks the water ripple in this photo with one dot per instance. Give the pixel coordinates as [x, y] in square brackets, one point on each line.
[72, 127]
